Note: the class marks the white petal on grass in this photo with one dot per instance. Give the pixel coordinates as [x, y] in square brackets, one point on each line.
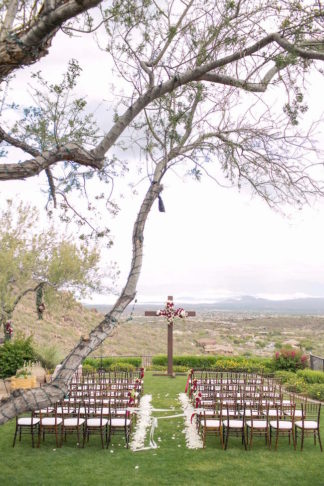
[143, 423]
[193, 439]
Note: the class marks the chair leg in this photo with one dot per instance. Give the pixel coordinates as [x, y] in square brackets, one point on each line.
[15, 436]
[244, 439]
[319, 440]
[221, 437]
[226, 439]
[277, 437]
[56, 437]
[32, 434]
[293, 438]
[302, 440]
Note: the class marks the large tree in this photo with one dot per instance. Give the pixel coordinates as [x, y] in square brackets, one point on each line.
[185, 67]
[40, 261]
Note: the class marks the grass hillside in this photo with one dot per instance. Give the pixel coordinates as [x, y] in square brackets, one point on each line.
[230, 333]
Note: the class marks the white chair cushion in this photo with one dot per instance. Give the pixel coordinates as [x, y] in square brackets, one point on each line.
[248, 413]
[50, 421]
[231, 413]
[44, 410]
[119, 422]
[95, 422]
[282, 424]
[298, 413]
[73, 422]
[208, 412]
[27, 421]
[257, 424]
[212, 423]
[308, 424]
[235, 424]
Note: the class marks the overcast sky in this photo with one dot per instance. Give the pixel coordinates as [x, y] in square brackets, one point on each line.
[211, 242]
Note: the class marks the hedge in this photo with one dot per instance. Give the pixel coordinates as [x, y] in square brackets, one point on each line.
[306, 382]
[311, 376]
[220, 363]
[110, 363]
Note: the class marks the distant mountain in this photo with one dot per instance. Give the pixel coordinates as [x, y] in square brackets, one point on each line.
[246, 303]
[249, 303]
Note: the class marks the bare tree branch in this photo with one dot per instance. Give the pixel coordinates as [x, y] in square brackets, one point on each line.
[18, 49]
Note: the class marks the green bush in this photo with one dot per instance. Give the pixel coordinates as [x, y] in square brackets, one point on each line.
[289, 359]
[296, 384]
[13, 355]
[87, 368]
[311, 376]
[220, 363]
[106, 363]
[122, 366]
[284, 376]
[316, 391]
[49, 357]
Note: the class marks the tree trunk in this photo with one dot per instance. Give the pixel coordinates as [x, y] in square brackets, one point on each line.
[23, 400]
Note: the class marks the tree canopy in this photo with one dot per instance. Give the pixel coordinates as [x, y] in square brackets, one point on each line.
[197, 82]
[32, 258]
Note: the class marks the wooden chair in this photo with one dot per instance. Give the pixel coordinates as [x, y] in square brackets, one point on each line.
[29, 425]
[50, 423]
[234, 424]
[256, 423]
[212, 423]
[283, 426]
[96, 424]
[309, 423]
[72, 422]
[120, 423]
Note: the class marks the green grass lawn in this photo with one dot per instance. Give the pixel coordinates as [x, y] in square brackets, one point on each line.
[171, 464]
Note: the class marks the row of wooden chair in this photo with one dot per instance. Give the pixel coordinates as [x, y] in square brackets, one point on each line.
[84, 420]
[97, 403]
[253, 421]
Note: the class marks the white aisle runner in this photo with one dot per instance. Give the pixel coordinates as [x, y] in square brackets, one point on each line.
[144, 419]
[193, 439]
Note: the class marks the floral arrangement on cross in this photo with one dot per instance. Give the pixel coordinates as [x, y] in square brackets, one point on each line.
[170, 313]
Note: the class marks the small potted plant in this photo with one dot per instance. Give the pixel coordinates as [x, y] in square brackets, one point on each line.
[23, 378]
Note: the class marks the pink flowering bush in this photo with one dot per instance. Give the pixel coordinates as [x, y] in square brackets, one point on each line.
[290, 360]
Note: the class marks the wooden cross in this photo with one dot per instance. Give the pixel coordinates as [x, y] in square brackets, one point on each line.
[170, 313]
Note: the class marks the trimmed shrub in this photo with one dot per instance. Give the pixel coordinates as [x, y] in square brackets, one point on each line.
[221, 363]
[311, 376]
[316, 391]
[284, 376]
[13, 355]
[87, 368]
[106, 363]
[120, 366]
[289, 359]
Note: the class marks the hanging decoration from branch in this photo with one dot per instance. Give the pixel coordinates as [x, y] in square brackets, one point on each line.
[8, 330]
[40, 306]
[161, 205]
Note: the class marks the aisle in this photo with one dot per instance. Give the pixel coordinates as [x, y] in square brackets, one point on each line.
[164, 391]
